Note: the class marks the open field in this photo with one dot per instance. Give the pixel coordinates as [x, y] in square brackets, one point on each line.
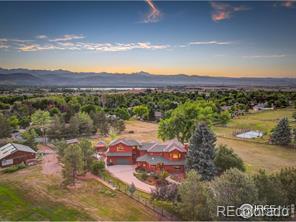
[17, 205]
[256, 154]
[89, 201]
[264, 121]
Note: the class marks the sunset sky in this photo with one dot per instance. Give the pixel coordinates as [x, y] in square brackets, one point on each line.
[161, 37]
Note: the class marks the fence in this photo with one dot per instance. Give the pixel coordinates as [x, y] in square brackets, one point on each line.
[163, 214]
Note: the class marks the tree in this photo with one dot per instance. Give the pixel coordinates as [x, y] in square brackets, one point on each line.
[287, 177]
[41, 119]
[225, 159]
[29, 136]
[81, 124]
[193, 198]
[233, 188]
[122, 113]
[294, 115]
[57, 128]
[200, 156]
[87, 153]
[132, 189]
[270, 189]
[14, 121]
[141, 111]
[117, 125]
[5, 127]
[73, 163]
[281, 134]
[61, 146]
[182, 120]
[100, 122]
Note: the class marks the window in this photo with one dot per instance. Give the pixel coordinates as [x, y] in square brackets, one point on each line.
[176, 155]
[120, 148]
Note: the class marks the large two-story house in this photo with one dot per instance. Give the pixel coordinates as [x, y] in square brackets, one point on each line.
[154, 156]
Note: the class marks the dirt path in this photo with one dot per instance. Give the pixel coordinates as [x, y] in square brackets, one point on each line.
[50, 163]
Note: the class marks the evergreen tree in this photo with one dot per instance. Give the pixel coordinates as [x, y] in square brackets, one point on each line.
[5, 127]
[73, 163]
[200, 156]
[281, 134]
[87, 151]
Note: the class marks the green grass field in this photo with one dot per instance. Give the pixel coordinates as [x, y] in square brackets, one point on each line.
[15, 205]
[29, 195]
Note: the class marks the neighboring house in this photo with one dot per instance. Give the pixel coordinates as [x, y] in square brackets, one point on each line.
[12, 154]
[157, 115]
[152, 156]
[262, 106]
[100, 146]
[72, 141]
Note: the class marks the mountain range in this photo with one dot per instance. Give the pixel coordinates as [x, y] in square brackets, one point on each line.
[63, 78]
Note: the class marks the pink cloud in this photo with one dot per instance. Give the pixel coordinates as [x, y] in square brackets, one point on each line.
[223, 11]
[154, 14]
[288, 3]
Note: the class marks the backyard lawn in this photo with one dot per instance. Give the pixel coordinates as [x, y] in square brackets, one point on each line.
[34, 196]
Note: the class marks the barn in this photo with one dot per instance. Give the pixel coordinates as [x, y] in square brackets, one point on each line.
[13, 153]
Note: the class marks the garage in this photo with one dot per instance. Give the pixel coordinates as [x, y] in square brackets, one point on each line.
[122, 161]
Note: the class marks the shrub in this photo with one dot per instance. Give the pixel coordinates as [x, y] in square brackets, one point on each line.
[14, 168]
[144, 176]
[98, 167]
[165, 192]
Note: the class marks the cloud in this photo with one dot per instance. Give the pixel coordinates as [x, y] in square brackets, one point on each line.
[265, 56]
[41, 37]
[37, 47]
[99, 47]
[288, 3]
[67, 38]
[154, 14]
[210, 43]
[3, 44]
[222, 11]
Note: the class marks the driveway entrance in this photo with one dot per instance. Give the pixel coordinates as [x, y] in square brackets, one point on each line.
[126, 174]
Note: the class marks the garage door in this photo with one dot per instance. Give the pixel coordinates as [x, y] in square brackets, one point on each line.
[122, 161]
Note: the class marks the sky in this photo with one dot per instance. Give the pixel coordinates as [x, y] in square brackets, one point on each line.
[214, 38]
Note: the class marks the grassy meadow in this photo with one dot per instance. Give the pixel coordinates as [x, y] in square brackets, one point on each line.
[29, 195]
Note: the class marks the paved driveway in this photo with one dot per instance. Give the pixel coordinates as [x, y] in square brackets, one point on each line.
[126, 174]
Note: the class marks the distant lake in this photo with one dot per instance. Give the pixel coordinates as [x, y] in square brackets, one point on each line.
[106, 89]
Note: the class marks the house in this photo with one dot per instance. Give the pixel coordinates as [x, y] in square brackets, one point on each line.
[72, 141]
[156, 157]
[157, 115]
[100, 146]
[12, 154]
[262, 106]
[152, 156]
[122, 152]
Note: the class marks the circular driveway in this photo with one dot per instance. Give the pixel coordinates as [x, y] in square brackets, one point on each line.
[126, 174]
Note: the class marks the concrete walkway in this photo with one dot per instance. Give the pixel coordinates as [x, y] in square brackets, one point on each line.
[126, 174]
